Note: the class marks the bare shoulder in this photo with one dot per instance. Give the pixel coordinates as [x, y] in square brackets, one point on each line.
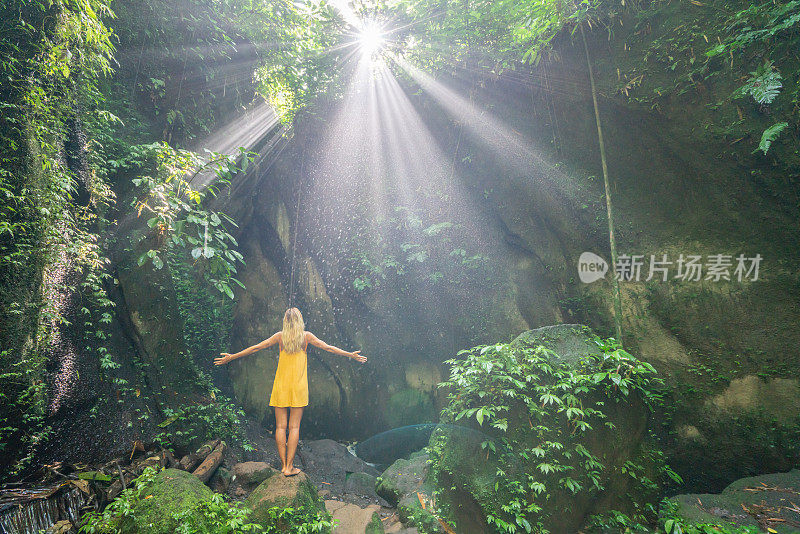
[277, 337]
[311, 339]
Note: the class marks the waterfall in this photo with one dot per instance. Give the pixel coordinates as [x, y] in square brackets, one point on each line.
[31, 511]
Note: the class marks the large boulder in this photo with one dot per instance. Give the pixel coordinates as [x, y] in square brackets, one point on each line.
[295, 492]
[760, 501]
[569, 342]
[330, 463]
[388, 446]
[540, 438]
[171, 492]
[406, 486]
[251, 474]
[404, 477]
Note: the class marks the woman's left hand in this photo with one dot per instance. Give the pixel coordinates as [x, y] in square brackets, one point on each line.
[224, 358]
[358, 357]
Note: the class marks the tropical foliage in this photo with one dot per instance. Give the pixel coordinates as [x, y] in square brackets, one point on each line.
[540, 413]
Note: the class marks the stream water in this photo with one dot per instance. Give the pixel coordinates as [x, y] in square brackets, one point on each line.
[32, 510]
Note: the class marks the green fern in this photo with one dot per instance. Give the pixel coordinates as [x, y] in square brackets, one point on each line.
[769, 135]
[764, 85]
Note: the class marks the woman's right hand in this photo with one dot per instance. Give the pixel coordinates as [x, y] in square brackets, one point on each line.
[358, 357]
[225, 358]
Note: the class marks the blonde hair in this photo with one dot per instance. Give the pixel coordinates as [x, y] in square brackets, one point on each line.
[293, 333]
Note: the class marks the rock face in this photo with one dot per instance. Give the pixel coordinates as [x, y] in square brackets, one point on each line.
[171, 492]
[277, 490]
[764, 501]
[676, 194]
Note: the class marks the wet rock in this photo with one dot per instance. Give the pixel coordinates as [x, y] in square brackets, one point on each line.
[404, 485]
[277, 490]
[360, 484]
[221, 481]
[251, 474]
[386, 447]
[61, 527]
[352, 519]
[328, 464]
[172, 491]
[393, 525]
[404, 477]
[764, 501]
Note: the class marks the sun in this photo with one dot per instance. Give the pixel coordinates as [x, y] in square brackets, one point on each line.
[371, 38]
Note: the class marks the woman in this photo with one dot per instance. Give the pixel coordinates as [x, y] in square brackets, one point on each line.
[290, 388]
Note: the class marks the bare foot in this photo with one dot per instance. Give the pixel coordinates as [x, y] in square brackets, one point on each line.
[290, 472]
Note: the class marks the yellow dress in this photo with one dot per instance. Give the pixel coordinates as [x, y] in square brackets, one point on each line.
[290, 388]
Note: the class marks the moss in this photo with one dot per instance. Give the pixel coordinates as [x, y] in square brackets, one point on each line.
[403, 477]
[295, 492]
[411, 513]
[171, 492]
[375, 526]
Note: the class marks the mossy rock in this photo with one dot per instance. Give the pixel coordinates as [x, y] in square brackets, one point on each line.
[411, 513]
[404, 477]
[402, 484]
[466, 471]
[375, 526]
[570, 342]
[286, 492]
[771, 492]
[171, 492]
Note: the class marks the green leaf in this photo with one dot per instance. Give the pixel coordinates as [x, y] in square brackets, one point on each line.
[716, 50]
[227, 290]
[168, 421]
[94, 475]
[769, 135]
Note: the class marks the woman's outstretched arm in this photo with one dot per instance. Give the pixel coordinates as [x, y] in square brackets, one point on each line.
[314, 340]
[225, 357]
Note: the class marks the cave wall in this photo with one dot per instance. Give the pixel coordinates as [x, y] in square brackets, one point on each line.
[726, 350]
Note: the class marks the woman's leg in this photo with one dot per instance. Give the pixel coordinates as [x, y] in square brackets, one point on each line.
[280, 434]
[294, 436]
